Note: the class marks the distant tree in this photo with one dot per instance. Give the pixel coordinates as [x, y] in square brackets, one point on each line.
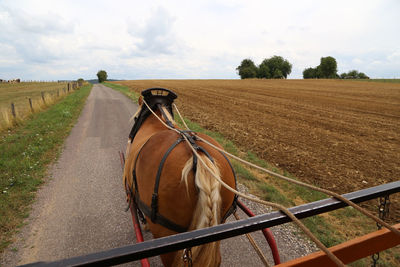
[353, 74]
[247, 69]
[328, 68]
[278, 67]
[247, 73]
[362, 75]
[80, 81]
[102, 76]
[278, 74]
[263, 71]
[310, 73]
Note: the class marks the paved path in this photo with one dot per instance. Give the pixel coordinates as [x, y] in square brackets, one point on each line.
[80, 209]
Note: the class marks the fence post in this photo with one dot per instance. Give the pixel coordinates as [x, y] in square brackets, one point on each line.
[30, 104]
[69, 85]
[44, 101]
[13, 110]
[58, 92]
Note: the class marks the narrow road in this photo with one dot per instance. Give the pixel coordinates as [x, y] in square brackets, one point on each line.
[80, 209]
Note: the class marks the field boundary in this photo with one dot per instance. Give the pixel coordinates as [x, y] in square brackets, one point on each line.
[12, 113]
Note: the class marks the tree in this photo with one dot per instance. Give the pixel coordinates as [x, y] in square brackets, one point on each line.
[278, 74]
[263, 71]
[278, 67]
[362, 75]
[328, 68]
[80, 81]
[102, 76]
[247, 69]
[353, 74]
[310, 73]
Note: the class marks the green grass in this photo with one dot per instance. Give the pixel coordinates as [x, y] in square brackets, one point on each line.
[377, 80]
[26, 151]
[123, 89]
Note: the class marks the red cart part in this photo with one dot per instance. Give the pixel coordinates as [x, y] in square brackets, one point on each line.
[267, 233]
[135, 219]
[138, 231]
[351, 250]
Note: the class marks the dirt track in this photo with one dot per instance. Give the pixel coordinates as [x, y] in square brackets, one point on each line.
[341, 135]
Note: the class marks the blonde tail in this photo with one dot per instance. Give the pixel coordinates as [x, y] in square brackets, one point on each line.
[207, 212]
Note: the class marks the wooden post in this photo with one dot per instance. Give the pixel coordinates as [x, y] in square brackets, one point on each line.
[13, 110]
[30, 104]
[58, 92]
[69, 85]
[44, 101]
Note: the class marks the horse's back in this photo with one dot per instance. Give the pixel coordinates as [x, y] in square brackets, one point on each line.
[176, 202]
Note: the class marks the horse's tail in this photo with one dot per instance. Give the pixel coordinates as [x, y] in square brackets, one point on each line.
[207, 212]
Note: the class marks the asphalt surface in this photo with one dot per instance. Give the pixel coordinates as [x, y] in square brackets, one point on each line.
[80, 209]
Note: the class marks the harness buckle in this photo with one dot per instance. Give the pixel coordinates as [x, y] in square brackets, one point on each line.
[187, 257]
[191, 138]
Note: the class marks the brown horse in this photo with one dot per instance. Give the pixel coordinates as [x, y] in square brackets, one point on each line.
[168, 183]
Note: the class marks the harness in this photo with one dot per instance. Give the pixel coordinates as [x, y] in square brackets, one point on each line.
[154, 101]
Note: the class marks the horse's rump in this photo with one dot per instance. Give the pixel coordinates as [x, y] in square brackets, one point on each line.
[176, 202]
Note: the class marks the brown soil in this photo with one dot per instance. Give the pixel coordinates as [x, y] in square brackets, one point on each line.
[340, 135]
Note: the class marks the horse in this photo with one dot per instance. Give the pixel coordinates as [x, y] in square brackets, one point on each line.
[171, 188]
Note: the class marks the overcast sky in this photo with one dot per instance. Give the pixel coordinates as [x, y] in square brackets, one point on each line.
[68, 39]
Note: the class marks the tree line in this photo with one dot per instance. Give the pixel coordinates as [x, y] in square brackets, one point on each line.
[277, 67]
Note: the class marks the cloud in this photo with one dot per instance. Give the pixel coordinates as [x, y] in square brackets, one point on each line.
[35, 39]
[156, 36]
[132, 39]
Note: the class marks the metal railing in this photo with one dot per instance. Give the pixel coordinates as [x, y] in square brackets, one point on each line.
[198, 237]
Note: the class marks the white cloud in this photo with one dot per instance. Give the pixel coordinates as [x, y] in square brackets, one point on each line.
[156, 36]
[193, 39]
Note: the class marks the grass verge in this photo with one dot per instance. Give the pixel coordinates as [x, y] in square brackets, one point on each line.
[123, 89]
[26, 151]
[377, 80]
[328, 228]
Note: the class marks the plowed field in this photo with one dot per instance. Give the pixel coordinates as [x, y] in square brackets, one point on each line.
[341, 135]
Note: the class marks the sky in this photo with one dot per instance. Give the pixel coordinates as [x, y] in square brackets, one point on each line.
[203, 39]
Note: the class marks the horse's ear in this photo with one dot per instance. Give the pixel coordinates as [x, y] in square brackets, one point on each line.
[140, 100]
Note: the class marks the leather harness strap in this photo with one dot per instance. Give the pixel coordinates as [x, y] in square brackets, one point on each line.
[154, 198]
[152, 211]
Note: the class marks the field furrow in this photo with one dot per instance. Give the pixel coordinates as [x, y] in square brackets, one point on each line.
[341, 135]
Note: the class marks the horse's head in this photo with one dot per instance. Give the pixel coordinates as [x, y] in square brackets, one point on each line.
[156, 99]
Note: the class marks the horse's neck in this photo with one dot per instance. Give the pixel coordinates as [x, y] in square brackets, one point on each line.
[149, 127]
[152, 125]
